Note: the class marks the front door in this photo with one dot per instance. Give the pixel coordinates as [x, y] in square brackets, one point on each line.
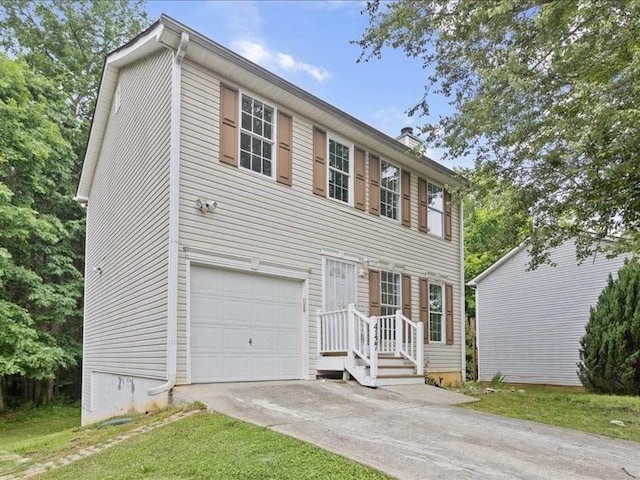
[340, 284]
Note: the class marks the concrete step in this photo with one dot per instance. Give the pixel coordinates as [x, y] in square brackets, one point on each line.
[384, 380]
[405, 369]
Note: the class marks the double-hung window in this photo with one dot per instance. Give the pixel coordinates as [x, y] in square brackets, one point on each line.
[435, 214]
[389, 293]
[257, 136]
[436, 313]
[340, 170]
[389, 190]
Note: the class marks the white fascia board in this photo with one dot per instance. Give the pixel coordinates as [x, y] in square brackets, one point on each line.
[147, 43]
[474, 282]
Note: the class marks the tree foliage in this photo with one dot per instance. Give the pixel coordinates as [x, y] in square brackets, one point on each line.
[495, 222]
[610, 348]
[545, 93]
[39, 284]
[68, 41]
[44, 127]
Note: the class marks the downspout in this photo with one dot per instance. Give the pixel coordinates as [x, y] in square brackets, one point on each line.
[463, 320]
[174, 209]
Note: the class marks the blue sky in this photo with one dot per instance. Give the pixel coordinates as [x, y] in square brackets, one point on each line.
[308, 43]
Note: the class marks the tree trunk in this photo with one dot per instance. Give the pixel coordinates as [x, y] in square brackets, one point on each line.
[2, 406]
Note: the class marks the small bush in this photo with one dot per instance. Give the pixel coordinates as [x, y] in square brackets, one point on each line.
[498, 381]
[610, 347]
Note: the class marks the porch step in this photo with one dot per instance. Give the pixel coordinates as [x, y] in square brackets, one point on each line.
[395, 370]
[384, 380]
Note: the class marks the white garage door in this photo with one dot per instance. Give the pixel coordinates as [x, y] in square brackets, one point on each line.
[244, 326]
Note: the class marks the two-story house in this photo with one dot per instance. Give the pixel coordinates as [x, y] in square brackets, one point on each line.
[241, 229]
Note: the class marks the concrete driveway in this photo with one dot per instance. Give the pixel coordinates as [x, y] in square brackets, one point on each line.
[410, 432]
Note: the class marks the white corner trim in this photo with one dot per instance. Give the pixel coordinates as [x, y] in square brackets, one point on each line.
[463, 296]
[246, 264]
[174, 220]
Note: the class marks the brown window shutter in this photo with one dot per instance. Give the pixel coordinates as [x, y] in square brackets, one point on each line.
[448, 301]
[374, 293]
[374, 185]
[447, 215]
[422, 205]
[359, 178]
[406, 296]
[406, 198]
[285, 142]
[423, 289]
[228, 125]
[319, 162]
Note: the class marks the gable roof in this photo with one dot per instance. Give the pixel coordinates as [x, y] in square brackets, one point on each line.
[166, 33]
[504, 259]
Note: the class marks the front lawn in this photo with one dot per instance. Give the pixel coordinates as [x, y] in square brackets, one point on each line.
[564, 407]
[203, 445]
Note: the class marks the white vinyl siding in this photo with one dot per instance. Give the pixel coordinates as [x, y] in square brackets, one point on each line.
[530, 322]
[125, 312]
[259, 219]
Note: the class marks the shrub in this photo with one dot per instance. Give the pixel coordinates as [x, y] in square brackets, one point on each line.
[610, 347]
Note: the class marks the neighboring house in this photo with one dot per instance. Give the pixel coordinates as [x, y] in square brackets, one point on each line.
[241, 229]
[530, 322]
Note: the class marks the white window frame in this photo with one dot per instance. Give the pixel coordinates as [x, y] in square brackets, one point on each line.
[325, 277]
[343, 142]
[274, 132]
[431, 209]
[383, 305]
[398, 193]
[441, 313]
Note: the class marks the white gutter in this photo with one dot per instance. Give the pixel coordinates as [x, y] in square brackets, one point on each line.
[463, 296]
[174, 198]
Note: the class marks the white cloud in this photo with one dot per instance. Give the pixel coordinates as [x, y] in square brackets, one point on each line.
[259, 53]
[388, 116]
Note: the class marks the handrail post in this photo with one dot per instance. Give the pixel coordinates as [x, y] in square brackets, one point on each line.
[420, 348]
[318, 331]
[398, 327]
[351, 330]
[373, 350]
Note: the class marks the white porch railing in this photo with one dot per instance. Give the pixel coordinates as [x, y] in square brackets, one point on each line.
[353, 333]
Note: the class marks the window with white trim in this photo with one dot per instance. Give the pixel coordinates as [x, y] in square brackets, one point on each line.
[389, 190]
[340, 156]
[389, 293]
[436, 313]
[257, 135]
[435, 213]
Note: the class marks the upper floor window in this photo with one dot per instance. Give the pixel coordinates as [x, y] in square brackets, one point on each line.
[257, 136]
[389, 293]
[389, 190]
[340, 171]
[436, 302]
[435, 214]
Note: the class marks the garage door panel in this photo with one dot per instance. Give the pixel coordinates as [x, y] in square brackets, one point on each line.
[230, 308]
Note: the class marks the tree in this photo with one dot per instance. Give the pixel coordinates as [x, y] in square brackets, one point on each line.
[68, 41]
[610, 347]
[495, 222]
[545, 93]
[40, 286]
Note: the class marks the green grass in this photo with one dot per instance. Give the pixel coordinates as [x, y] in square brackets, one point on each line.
[213, 446]
[565, 407]
[201, 446]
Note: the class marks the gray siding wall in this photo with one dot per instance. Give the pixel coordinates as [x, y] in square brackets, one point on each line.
[530, 322]
[258, 218]
[127, 231]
